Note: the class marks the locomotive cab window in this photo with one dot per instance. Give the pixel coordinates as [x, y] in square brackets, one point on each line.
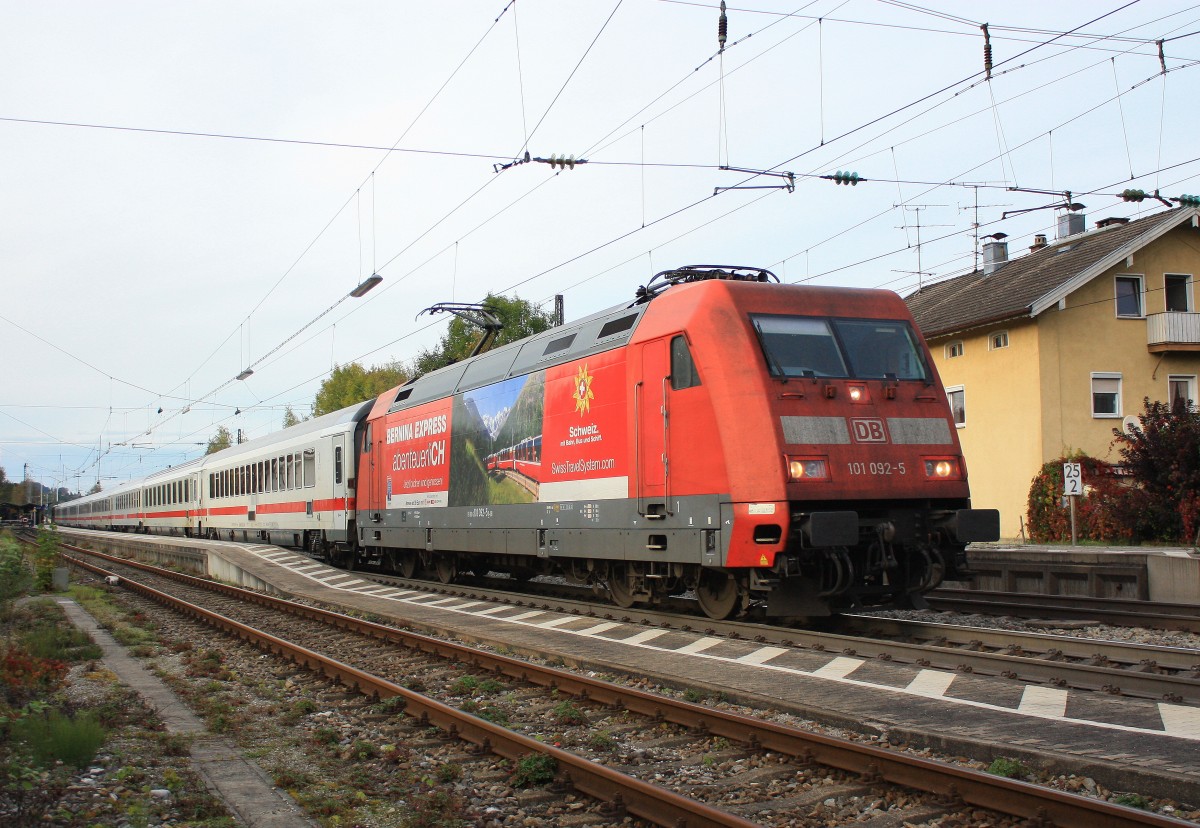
[683, 368]
[801, 346]
[798, 346]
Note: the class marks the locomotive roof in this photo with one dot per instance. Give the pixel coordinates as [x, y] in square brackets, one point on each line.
[601, 331]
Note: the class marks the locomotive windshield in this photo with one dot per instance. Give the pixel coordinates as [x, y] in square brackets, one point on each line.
[800, 346]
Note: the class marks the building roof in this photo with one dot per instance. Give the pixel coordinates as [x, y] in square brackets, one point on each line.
[1028, 285]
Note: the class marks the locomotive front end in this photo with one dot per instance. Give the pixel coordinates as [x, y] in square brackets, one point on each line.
[859, 498]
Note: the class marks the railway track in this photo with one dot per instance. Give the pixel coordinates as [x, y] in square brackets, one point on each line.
[1115, 668]
[780, 776]
[1114, 611]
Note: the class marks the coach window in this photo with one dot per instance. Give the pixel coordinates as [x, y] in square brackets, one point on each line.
[337, 464]
[310, 468]
[299, 481]
[683, 368]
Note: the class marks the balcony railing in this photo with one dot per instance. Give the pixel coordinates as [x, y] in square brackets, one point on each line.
[1173, 331]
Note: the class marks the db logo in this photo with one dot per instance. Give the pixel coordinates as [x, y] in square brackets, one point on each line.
[868, 431]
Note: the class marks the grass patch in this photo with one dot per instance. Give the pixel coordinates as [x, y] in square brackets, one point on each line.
[57, 737]
[534, 769]
[1008, 768]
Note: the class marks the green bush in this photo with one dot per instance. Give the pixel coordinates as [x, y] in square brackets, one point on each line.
[15, 577]
[56, 737]
[46, 558]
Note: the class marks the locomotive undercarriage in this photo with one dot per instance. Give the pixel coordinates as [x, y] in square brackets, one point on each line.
[835, 561]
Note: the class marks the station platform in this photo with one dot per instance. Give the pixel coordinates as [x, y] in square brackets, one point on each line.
[1132, 745]
[1167, 575]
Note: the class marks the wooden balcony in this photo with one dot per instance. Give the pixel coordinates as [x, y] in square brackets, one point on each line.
[1172, 331]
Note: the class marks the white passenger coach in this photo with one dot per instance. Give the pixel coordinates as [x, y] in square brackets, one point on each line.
[294, 488]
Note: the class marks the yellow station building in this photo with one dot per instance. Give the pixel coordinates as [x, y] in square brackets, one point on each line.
[1045, 354]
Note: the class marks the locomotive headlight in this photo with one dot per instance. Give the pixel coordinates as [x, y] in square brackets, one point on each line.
[942, 468]
[807, 468]
[858, 393]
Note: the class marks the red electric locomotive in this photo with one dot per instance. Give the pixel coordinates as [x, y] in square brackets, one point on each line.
[758, 444]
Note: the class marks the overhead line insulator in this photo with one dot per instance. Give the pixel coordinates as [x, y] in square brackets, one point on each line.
[722, 29]
[849, 178]
[987, 51]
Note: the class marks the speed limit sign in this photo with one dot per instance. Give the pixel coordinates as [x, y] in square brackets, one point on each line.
[1072, 479]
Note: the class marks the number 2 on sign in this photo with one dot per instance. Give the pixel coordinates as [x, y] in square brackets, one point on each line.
[1072, 479]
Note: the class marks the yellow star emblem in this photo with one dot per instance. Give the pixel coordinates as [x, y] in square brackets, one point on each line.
[583, 395]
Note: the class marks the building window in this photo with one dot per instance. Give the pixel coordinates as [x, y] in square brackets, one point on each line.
[1178, 290]
[998, 340]
[958, 404]
[1106, 395]
[1181, 392]
[954, 349]
[1129, 296]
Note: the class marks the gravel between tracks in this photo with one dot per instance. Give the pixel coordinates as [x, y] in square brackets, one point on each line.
[351, 762]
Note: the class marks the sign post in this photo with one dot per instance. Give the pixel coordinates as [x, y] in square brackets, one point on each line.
[1072, 488]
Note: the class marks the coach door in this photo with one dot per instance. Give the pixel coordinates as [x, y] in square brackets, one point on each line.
[339, 480]
[652, 419]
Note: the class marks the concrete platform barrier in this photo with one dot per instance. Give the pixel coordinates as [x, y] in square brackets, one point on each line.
[1130, 573]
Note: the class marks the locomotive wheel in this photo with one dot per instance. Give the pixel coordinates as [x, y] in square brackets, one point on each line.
[717, 594]
[407, 564]
[618, 586]
[446, 567]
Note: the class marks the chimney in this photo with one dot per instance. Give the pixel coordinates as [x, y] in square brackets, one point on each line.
[1071, 223]
[1039, 241]
[1112, 221]
[995, 253]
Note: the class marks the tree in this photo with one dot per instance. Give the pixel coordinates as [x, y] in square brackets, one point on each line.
[1163, 456]
[350, 384]
[520, 318]
[219, 441]
[290, 419]
[95, 488]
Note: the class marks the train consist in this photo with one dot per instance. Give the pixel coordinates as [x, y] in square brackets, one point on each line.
[781, 447]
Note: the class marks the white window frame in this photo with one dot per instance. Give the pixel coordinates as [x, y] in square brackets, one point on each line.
[950, 348]
[1105, 375]
[1141, 295]
[951, 390]
[993, 336]
[1190, 379]
[1187, 293]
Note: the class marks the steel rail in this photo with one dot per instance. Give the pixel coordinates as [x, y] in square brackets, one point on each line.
[874, 764]
[1068, 667]
[650, 802]
[1183, 617]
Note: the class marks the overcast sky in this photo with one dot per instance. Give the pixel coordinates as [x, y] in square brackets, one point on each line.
[185, 188]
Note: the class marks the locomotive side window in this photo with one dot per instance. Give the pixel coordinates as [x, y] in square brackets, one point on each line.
[683, 368]
[797, 346]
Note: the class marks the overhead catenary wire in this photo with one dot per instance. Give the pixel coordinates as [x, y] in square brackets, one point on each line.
[897, 177]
